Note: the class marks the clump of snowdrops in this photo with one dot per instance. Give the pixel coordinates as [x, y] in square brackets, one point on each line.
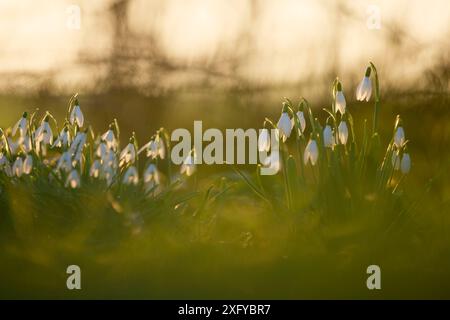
[71, 154]
[327, 162]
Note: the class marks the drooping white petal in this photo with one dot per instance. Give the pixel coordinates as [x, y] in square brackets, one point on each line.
[151, 175]
[28, 164]
[94, 171]
[76, 116]
[406, 163]
[131, 176]
[328, 138]
[340, 102]
[20, 126]
[284, 126]
[188, 166]
[128, 155]
[343, 132]
[65, 162]
[17, 167]
[264, 140]
[399, 137]
[109, 138]
[311, 152]
[73, 180]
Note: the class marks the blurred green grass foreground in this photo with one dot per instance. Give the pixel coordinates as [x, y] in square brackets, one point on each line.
[213, 236]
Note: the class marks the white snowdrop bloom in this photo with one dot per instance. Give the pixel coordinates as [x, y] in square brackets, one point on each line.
[405, 164]
[108, 174]
[128, 155]
[76, 116]
[151, 176]
[25, 143]
[44, 133]
[131, 176]
[78, 142]
[311, 152]
[94, 171]
[155, 148]
[395, 160]
[364, 89]
[273, 161]
[264, 140]
[399, 137]
[21, 126]
[110, 139]
[188, 167]
[13, 146]
[65, 162]
[102, 151]
[301, 119]
[284, 126]
[340, 99]
[63, 139]
[110, 160]
[328, 137]
[73, 180]
[77, 146]
[343, 132]
[17, 167]
[28, 164]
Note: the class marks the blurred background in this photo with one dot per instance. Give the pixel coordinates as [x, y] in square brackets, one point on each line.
[159, 45]
[153, 63]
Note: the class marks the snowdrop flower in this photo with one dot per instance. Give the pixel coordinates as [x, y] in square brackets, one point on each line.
[364, 89]
[301, 119]
[95, 169]
[340, 99]
[405, 164]
[25, 143]
[77, 146]
[63, 139]
[73, 180]
[273, 162]
[284, 126]
[108, 174]
[155, 148]
[128, 155]
[131, 176]
[13, 146]
[264, 140]
[17, 167]
[151, 176]
[399, 137]
[110, 160]
[65, 162]
[44, 133]
[328, 137]
[343, 132]
[188, 166]
[110, 139]
[76, 116]
[311, 152]
[102, 151]
[21, 125]
[28, 164]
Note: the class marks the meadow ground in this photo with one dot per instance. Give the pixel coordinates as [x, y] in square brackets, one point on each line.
[214, 236]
